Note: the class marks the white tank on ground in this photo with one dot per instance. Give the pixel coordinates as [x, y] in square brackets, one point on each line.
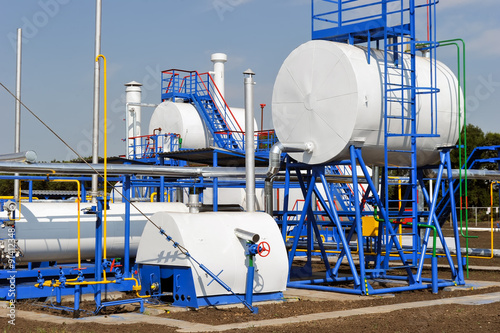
[48, 231]
[327, 94]
[210, 239]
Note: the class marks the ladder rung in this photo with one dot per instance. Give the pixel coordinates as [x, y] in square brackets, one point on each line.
[398, 135]
[400, 101]
[400, 118]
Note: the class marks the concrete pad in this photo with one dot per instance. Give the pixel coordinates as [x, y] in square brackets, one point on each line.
[315, 295]
[473, 285]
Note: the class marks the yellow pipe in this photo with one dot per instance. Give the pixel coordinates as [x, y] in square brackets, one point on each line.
[104, 223]
[154, 194]
[6, 197]
[400, 228]
[71, 282]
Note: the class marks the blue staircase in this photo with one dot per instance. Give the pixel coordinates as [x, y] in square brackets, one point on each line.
[201, 91]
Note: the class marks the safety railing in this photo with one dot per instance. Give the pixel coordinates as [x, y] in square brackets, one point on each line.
[148, 146]
[201, 87]
[340, 17]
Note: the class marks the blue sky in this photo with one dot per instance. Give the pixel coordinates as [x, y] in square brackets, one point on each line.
[141, 38]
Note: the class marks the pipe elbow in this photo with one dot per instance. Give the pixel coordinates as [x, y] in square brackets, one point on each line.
[274, 160]
[275, 155]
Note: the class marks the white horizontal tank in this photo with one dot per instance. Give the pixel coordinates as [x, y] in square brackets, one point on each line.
[327, 94]
[183, 119]
[210, 239]
[48, 231]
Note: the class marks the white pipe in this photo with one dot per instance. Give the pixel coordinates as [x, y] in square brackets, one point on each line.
[95, 127]
[218, 60]
[17, 144]
[471, 174]
[247, 235]
[483, 229]
[274, 167]
[249, 141]
[126, 169]
[25, 156]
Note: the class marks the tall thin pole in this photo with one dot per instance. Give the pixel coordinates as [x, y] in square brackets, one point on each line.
[17, 144]
[249, 141]
[262, 106]
[95, 128]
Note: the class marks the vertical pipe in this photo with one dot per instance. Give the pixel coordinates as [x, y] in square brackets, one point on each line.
[215, 188]
[17, 144]
[126, 194]
[98, 251]
[262, 106]
[76, 309]
[95, 127]
[105, 180]
[376, 178]
[218, 60]
[250, 278]
[249, 141]
[268, 189]
[30, 191]
[133, 96]
[162, 189]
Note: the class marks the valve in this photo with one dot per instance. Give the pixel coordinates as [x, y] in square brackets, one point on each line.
[264, 249]
[106, 263]
[62, 277]
[252, 249]
[40, 280]
[10, 206]
[115, 263]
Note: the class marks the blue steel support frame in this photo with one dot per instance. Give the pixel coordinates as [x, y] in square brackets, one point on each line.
[98, 251]
[126, 195]
[361, 277]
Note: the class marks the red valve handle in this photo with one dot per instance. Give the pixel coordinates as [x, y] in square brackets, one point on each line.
[263, 249]
[113, 265]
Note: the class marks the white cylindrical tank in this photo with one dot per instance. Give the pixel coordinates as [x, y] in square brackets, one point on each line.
[48, 231]
[327, 94]
[184, 119]
[211, 240]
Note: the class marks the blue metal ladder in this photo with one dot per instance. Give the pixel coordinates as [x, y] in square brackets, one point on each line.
[200, 90]
[400, 110]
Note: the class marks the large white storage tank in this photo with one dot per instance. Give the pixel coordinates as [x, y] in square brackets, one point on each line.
[47, 231]
[327, 94]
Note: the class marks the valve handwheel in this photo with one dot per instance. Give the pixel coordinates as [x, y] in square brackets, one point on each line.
[263, 249]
